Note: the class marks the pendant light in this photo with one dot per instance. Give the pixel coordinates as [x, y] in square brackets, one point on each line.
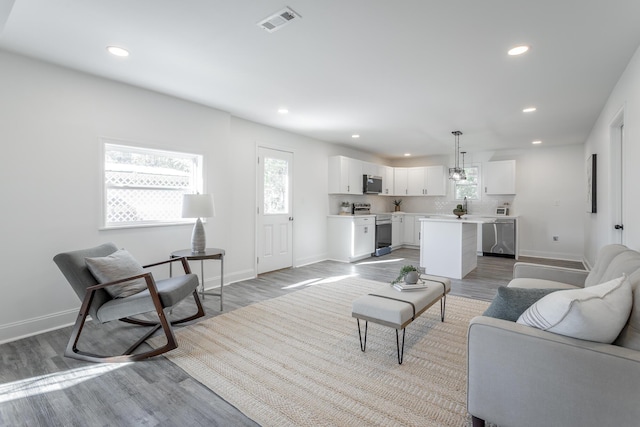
[457, 173]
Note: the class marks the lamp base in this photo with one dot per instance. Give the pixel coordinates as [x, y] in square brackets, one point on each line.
[198, 238]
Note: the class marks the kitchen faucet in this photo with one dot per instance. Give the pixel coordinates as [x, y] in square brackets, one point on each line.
[464, 204]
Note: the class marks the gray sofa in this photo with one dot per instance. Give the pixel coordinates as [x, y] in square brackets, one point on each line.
[523, 376]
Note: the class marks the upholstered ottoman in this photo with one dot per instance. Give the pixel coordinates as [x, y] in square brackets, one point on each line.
[397, 309]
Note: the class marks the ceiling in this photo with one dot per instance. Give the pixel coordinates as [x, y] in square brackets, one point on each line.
[401, 74]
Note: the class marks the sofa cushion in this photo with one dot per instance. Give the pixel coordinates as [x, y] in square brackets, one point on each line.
[630, 335]
[509, 303]
[531, 283]
[604, 259]
[625, 262]
[118, 265]
[597, 313]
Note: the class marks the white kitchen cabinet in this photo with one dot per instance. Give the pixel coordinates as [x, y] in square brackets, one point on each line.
[426, 181]
[435, 181]
[351, 238]
[388, 181]
[396, 229]
[345, 175]
[415, 181]
[500, 177]
[417, 230]
[408, 230]
[400, 177]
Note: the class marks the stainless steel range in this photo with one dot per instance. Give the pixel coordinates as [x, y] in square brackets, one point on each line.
[383, 234]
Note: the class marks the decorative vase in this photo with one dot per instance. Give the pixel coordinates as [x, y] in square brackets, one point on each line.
[411, 278]
[459, 212]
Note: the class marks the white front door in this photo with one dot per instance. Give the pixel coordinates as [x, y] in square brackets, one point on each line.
[275, 215]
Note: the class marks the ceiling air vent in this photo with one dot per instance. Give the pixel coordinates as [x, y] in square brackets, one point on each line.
[278, 20]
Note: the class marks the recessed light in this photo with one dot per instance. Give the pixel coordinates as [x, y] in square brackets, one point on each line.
[518, 50]
[355, 136]
[529, 110]
[283, 111]
[407, 154]
[118, 51]
[536, 142]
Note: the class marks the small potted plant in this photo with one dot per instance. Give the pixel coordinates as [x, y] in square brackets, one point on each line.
[397, 204]
[408, 274]
[345, 208]
[459, 211]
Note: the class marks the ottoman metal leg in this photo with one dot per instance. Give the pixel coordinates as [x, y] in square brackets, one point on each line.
[363, 345]
[400, 352]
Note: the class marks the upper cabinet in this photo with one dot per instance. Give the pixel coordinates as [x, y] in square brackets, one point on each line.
[400, 181]
[345, 175]
[388, 181]
[500, 177]
[426, 181]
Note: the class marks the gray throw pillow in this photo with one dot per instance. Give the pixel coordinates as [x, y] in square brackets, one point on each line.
[118, 265]
[510, 303]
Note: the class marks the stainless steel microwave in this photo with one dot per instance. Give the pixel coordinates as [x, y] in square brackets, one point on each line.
[371, 184]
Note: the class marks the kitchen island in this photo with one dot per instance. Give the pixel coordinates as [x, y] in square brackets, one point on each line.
[448, 245]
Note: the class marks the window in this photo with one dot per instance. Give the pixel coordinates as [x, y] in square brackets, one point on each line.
[276, 186]
[145, 187]
[468, 188]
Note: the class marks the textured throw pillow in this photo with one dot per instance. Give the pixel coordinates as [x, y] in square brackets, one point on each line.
[597, 313]
[118, 265]
[510, 303]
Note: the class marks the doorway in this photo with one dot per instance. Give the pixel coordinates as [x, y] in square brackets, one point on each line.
[275, 210]
[617, 179]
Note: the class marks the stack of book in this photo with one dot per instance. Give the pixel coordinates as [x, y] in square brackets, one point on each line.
[407, 287]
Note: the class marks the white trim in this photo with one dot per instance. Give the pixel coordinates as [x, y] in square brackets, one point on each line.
[563, 256]
[37, 325]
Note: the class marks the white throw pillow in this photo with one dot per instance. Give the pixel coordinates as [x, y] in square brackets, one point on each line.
[118, 265]
[597, 313]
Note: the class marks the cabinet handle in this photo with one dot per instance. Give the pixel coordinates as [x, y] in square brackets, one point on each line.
[366, 230]
[485, 189]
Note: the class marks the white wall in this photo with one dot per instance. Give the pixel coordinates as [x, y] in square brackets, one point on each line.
[51, 119]
[599, 227]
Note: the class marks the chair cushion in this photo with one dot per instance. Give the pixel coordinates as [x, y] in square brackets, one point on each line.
[171, 292]
[509, 303]
[118, 265]
[597, 313]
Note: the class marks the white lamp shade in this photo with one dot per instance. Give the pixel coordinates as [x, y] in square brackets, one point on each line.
[198, 206]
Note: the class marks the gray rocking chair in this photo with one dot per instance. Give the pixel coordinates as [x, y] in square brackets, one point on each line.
[159, 296]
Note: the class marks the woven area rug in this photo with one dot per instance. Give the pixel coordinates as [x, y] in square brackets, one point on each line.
[295, 361]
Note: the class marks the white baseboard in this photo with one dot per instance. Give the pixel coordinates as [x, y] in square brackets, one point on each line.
[37, 325]
[309, 260]
[552, 255]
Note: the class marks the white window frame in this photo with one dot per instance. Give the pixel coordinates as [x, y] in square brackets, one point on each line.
[195, 184]
[478, 184]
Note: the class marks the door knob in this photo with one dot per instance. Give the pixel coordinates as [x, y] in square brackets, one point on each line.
[618, 227]
[290, 218]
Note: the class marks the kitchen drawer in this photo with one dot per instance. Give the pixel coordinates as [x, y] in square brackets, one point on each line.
[364, 221]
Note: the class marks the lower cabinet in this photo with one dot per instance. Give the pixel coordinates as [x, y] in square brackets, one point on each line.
[351, 238]
[396, 230]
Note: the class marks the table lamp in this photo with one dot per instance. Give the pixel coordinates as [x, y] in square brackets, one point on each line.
[198, 206]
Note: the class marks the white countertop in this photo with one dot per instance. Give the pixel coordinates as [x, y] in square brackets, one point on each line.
[351, 216]
[463, 220]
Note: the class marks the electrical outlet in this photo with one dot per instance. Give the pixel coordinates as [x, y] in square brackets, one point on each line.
[556, 238]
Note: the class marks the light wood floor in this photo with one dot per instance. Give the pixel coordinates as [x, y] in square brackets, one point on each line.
[40, 387]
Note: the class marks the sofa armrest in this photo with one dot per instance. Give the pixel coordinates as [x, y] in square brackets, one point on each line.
[518, 375]
[571, 276]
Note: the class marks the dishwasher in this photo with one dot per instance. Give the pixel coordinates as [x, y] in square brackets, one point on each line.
[499, 238]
